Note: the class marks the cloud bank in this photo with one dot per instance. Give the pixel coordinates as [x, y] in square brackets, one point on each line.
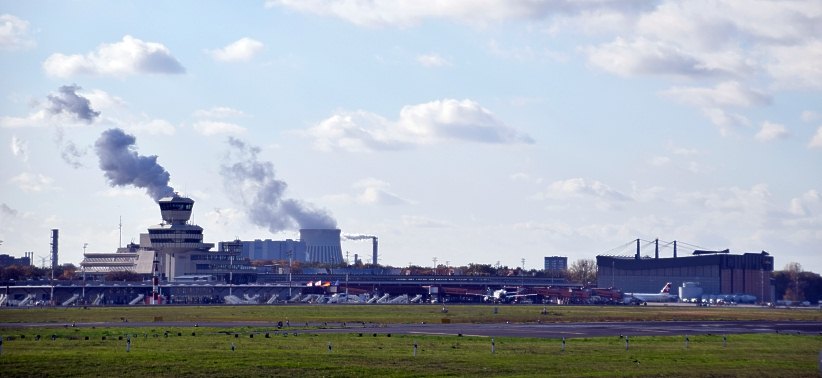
[129, 56]
[423, 124]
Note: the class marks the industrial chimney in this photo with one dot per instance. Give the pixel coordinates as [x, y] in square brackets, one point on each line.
[54, 237]
[374, 250]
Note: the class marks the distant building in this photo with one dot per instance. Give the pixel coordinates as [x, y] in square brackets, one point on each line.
[556, 263]
[179, 248]
[314, 246]
[6, 260]
[717, 272]
[277, 250]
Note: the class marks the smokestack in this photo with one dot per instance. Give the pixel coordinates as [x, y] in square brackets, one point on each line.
[54, 237]
[374, 250]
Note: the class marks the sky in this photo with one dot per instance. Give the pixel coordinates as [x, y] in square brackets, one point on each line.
[461, 131]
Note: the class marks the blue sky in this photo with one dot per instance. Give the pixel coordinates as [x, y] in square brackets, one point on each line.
[470, 131]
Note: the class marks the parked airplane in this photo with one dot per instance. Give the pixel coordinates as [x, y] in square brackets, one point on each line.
[503, 296]
[664, 295]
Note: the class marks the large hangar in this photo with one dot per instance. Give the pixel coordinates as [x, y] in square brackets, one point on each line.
[718, 272]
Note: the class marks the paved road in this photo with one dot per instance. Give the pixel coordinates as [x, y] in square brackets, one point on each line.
[545, 330]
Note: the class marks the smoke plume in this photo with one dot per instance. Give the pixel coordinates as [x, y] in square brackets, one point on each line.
[69, 102]
[254, 183]
[358, 237]
[124, 166]
[69, 151]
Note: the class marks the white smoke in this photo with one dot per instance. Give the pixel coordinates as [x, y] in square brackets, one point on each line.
[358, 237]
[254, 184]
[124, 166]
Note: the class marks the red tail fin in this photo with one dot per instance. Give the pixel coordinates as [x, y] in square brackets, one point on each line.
[666, 289]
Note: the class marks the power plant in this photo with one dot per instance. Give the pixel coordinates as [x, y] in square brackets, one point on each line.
[174, 251]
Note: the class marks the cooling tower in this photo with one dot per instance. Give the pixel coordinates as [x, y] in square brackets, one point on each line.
[322, 245]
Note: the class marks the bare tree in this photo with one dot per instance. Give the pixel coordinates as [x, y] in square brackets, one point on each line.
[793, 292]
[583, 271]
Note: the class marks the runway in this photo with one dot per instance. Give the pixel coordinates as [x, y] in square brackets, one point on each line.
[544, 330]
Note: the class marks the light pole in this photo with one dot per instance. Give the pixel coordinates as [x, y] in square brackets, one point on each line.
[290, 257]
[230, 273]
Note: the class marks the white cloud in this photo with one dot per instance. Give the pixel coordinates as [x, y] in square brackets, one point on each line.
[36, 118]
[734, 199]
[424, 222]
[14, 33]
[376, 192]
[432, 60]
[771, 131]
[525, 177]
[405, 13]
[660, 161]
[155, 127]
[102, 100]
[646, 57]
[727, 122]
[580, 188]
[796, 65]
[729, 93]
[809, 116]
[801, 206]
[816, 140]
[123, 191]
[241, 50]
[209, 128]
[218, 112]
[428, 123]
[526, 53]
[30, 182]
[127, 57]
[19, 148]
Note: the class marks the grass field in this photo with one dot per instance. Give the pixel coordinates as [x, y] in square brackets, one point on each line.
[400, 314]
[207, 352]
[203, 351]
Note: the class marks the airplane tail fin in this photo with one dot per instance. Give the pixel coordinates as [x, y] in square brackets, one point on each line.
[666, 289]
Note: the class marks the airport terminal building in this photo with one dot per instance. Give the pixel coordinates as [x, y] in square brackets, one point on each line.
[718, 272]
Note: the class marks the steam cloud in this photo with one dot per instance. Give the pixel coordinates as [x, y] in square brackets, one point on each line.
[124, 166]
[68, 101]
[261, 193]
[70, 152]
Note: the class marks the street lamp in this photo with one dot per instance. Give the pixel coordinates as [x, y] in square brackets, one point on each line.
[290, 257]
[230, 273]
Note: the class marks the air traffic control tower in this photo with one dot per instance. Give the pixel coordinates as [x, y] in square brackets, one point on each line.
[176, 240]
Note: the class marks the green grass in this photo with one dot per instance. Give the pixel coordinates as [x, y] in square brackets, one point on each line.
[399, 314]
[207, 353]
[306, 355]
